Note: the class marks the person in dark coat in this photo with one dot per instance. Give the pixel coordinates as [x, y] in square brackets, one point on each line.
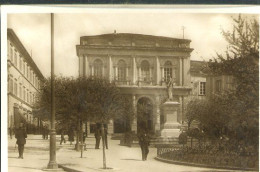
[21, 136]
[144, 142]
[62, 137]
[97, 135]
[71, 136]
[105, 136]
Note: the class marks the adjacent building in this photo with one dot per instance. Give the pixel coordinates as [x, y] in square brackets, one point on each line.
[24, 81]
[140, 65]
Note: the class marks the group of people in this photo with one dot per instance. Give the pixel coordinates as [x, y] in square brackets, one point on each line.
[98, 135]
[143, 136]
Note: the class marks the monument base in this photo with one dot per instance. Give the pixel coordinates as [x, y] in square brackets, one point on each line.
[170, 133]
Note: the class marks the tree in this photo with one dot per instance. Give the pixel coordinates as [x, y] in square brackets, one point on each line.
[241, 60]
[84, 99]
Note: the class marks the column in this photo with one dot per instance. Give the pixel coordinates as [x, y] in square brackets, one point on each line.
[180, 71]
[134, 71]
[92, 70]
[127, 74]
[183, 72]
[116, 74]
[157, 114]
[139, 73]
[103, 71]
[150, 71]
[109, 69]
[157, 71]
[134, 124]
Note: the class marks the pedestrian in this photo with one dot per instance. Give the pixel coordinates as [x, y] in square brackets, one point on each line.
[21, 136]
[62, 137]
[43, 133]
[97, 135]
[71, 135]
[84, 139]
[105, 136]
[144, 142]
[46, 132]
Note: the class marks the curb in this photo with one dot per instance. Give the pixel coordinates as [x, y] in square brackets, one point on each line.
[202, 165]
[68, 169]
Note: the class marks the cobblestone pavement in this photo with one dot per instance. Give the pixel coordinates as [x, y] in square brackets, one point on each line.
[119, 158]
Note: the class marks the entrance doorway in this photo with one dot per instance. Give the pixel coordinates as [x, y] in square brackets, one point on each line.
[145, 115]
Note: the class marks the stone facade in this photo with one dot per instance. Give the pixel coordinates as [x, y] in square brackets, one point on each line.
[24, 80]
[141, 66]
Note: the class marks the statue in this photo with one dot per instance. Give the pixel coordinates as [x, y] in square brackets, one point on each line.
[170, 85]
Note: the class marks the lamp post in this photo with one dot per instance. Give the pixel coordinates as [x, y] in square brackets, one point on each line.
[52, 163]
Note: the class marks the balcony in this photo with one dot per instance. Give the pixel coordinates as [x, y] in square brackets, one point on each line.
[144, 81]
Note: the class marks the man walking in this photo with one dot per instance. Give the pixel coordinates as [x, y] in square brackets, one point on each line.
[105, 135]
[20, 135]
[97, 135]
[62, 137]
[144, 143]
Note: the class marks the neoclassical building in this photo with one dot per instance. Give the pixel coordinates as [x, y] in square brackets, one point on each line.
[24, 80]
[140, 65]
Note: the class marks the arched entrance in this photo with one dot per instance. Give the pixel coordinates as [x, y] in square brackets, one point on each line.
[145, 115]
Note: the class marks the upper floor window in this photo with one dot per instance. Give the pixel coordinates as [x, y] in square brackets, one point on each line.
[20, 90]
[202, 88]
[15, 87]
[98, 66]
[11, 85]
[167, 71]
[145, 70]
[121, 70]
[24, 94]
[20, 63]
[24, 69]
[15, 59]
[27, 71]
[11, 53]
[218, 85]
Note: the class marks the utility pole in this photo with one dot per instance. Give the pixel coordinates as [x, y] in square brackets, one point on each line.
[52, 163]
[183, 28]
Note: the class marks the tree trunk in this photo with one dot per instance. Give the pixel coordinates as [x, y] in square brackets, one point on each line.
[77, 141]
[103, 142]
[81, 137]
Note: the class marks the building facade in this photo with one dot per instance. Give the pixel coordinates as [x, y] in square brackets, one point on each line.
[198, 79]
[140, 65]
[24, 81]
[217, 84]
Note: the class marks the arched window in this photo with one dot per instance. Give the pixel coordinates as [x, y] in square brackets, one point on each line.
[121, 70]
[98, 65]
[167, 70]
[145, 70]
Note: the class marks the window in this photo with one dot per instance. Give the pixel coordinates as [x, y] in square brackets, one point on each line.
[24, 69]
[20, 64]
[202, 88]
[218, 85]
[28, 96]
[98, 65]
[121, 70]
[11, 53]
[11, 85]
[167, 71]
[27, 72]
[24, 94]
[145, 70]
[20, 90]
[15, 87]
[15, 59]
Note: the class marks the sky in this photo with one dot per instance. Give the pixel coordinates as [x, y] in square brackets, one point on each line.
[33, 30]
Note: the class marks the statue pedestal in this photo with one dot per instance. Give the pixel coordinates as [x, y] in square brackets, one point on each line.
[171, 127]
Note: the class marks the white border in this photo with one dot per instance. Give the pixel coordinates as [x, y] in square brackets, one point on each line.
[6, 9]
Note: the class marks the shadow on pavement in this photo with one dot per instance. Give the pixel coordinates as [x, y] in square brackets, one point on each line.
[132, 159]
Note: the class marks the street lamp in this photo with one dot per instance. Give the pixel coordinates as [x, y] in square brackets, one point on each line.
[52, 163]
